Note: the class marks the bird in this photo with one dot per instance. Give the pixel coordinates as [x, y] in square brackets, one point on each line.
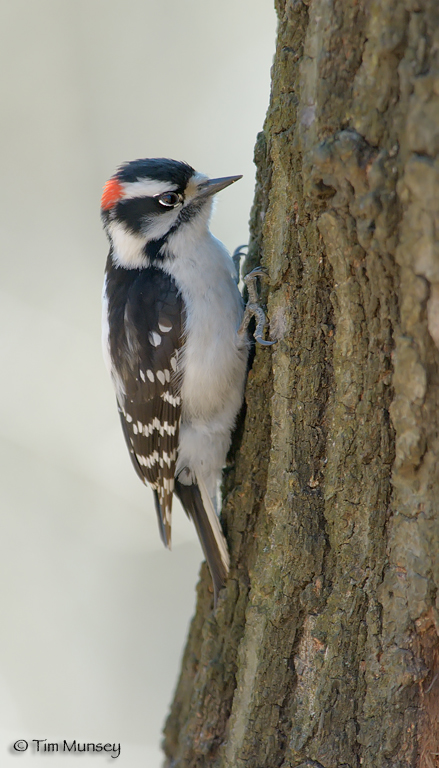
[175, 339]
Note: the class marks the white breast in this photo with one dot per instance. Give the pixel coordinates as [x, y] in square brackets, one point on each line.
[214, 357]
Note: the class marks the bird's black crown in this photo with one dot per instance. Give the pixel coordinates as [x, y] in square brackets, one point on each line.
[159, 168]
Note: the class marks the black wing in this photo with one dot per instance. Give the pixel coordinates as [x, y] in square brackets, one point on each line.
[146, 321]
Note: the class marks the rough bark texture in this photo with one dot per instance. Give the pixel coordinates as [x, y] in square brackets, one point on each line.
[323, 651]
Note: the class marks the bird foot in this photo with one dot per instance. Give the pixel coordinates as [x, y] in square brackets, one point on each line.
[237, 255]
[253, 308]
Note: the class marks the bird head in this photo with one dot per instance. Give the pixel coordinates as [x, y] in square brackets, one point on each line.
[146, 203]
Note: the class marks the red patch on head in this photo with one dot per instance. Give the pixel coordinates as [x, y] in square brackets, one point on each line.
[112, 193]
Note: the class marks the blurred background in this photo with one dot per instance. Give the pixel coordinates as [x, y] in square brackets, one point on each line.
[94, 610]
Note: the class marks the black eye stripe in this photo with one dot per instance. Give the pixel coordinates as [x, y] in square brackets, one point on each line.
[132, 212]
[169, 199]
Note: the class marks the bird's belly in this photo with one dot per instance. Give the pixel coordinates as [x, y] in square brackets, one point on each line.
[213, 359]
[214, 364]
[212, 389]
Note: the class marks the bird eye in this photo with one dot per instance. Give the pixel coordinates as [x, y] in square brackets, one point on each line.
[169, 199]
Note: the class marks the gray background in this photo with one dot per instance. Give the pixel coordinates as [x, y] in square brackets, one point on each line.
[94, 610]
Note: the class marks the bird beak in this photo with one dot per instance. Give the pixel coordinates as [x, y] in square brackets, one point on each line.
[212, 186]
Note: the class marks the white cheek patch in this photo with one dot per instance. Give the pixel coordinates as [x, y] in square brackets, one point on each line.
[156, 227]
[128, 248]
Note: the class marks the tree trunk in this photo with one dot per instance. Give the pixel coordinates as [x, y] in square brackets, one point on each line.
[323, 651]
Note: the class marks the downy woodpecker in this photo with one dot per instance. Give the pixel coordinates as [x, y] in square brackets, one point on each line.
[175, 339]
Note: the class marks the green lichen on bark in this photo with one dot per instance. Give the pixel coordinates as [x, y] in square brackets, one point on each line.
[323, 649]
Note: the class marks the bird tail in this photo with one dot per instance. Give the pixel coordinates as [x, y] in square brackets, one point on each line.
[165, 535]
[198, 506]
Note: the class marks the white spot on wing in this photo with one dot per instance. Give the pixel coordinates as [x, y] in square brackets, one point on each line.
[165, 327]
[170, 429]
[154, 338]
[168, 484]
[168, 398]
[156, 458]
[161, 376]
[150, 374]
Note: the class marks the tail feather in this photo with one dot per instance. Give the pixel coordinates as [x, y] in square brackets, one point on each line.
[198, 505]
[165, 535]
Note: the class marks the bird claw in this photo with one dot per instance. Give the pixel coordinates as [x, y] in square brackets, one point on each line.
[236, 258]
[264, 342]
[253, 308]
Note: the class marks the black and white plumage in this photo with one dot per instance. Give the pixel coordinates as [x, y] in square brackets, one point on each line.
[172, 339]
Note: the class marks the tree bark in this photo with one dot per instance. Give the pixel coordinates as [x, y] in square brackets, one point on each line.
[323, 651]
